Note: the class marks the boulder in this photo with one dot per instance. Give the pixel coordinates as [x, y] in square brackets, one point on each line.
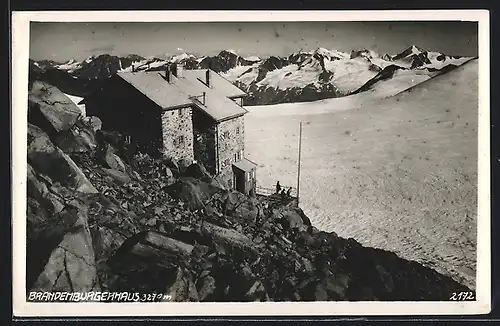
[36, 189]
[229, 240]
[336, 286]
[155, 244]
[206, 287]
[192, 236]
[169, 176]
[240, 207]
[49, 160]
[292, 218]
[173, 166]
[76, 140]
[39, 191]
[93, 122]
[197, 171]
[119, 177]
[386, 278]
[114, 138]
[313, 290]
[149, 262]
[183, 164]
[70, 265]
[50, 109]
[106, 241]
[113, 160]
[182, 287]
[112, 225]
[219, 183]
[192, 191]
[256, 292]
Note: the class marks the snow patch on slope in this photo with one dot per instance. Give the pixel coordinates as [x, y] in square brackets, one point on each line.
[252, 58]
[69, 66]
[76, 100]
[289, 76]
[394, 173]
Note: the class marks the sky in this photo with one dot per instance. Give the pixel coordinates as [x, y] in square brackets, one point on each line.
[62, 41]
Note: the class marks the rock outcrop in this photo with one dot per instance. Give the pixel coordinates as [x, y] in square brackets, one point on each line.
[51, 161]
[50, 108]
[97, 220]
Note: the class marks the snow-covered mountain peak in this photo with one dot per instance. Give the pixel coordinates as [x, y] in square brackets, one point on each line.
[232, 51]
[301, 76]
[253, 58]
[331, 54]
[416, 49]
[180, 57]
[89, 59]
[69, 66]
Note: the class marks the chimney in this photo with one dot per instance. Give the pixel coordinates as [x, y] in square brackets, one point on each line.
[180, 70]
[208, 80]
[174, 70]
[168, 74]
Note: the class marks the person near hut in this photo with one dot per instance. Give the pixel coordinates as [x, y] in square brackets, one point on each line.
[282, 194]
[289, 191]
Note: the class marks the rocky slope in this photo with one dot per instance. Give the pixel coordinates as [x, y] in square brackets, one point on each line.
[300, 77]
[103, 217]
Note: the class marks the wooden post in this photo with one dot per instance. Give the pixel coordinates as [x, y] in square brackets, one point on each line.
[298, 163]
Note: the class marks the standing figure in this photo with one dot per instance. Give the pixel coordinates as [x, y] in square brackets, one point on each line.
[289, 191]
[278, 187]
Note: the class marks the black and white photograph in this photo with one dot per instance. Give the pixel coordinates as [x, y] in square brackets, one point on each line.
[267, 162]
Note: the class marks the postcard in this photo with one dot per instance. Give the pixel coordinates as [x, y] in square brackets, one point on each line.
[246, 163]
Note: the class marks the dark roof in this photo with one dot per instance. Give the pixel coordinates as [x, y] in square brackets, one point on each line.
[187, 91]
[245, 165]
[216, 105]
[156, 88]
[222, 85]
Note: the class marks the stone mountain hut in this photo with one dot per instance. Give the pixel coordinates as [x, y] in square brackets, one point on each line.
[182, 114]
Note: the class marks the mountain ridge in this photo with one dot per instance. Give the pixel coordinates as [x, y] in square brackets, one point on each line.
[299, 77]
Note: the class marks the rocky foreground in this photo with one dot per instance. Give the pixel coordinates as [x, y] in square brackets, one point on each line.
[103, 218]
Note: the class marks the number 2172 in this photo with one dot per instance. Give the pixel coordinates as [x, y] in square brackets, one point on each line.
[462, 296]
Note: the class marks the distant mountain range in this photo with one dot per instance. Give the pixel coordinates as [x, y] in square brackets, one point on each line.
[302, 76]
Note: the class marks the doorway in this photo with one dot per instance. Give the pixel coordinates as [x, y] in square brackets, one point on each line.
[239, 180]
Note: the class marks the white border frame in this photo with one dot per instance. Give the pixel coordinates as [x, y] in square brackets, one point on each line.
[20, 54]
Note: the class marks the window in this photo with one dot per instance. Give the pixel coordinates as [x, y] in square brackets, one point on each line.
[180, 141]
[249, 176]
[238, 156]
[128, 139]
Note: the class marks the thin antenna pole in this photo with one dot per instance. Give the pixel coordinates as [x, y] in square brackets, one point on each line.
[298, 163]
